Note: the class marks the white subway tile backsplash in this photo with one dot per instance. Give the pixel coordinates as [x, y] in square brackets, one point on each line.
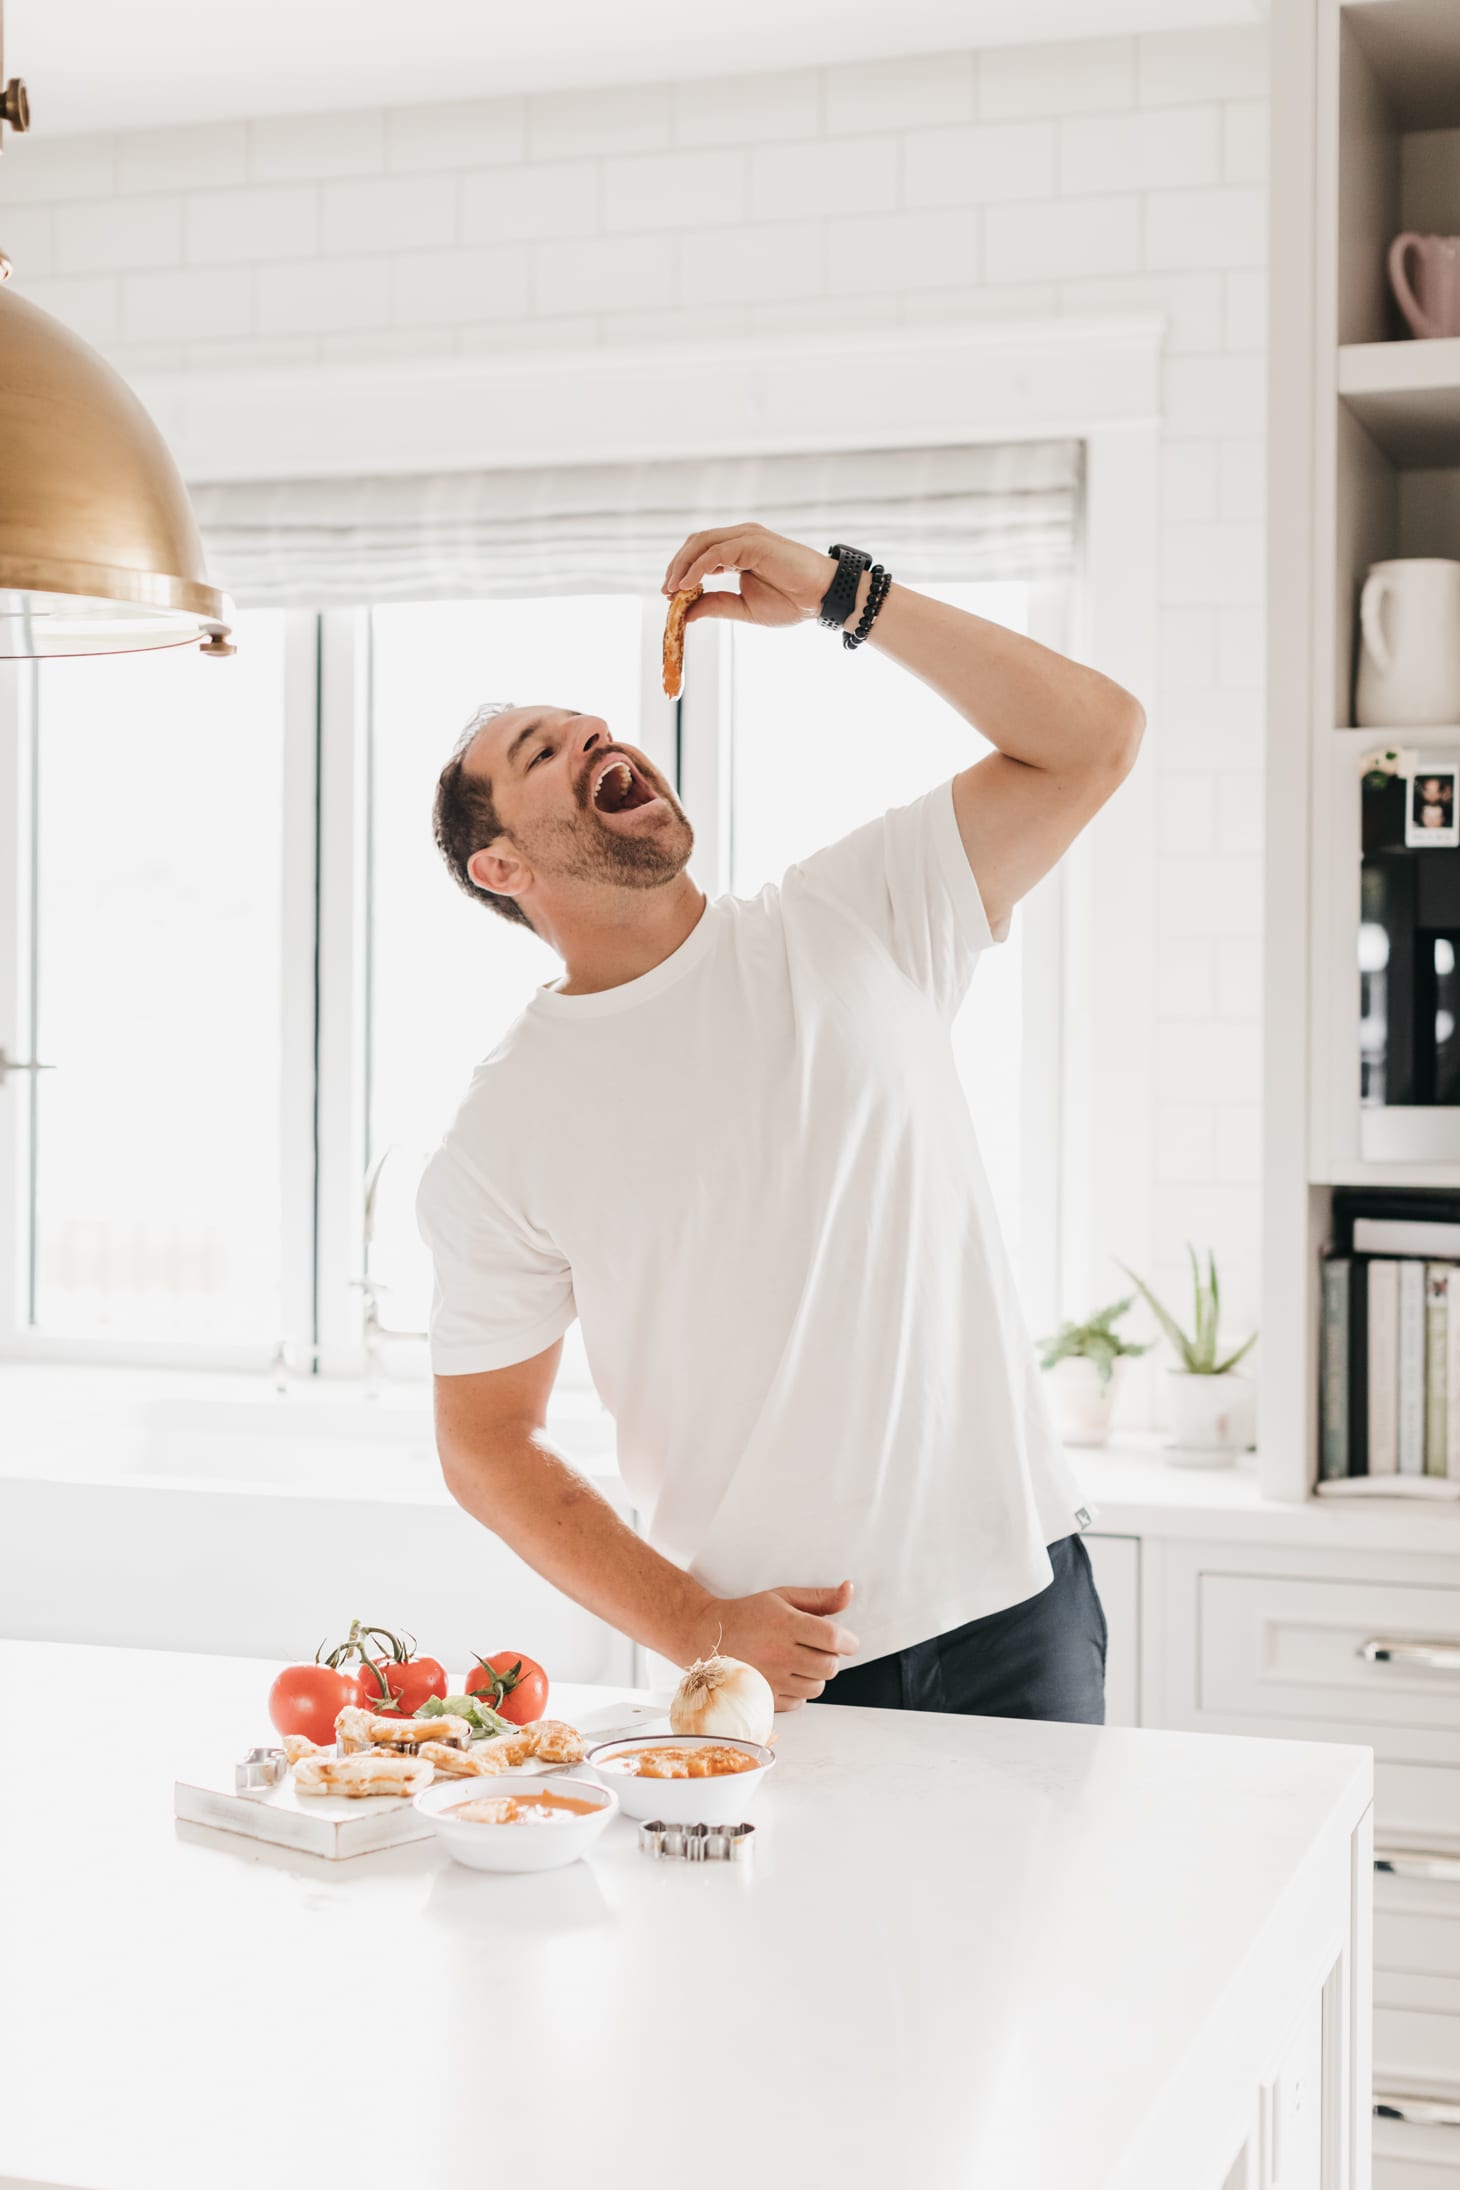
[823, 315]
[1186, 813]
[1244, 480]
[304, 147]
[28, 234]
[603, 274]
[109, 236]
[196, 158]
[1238, 1150]
[1185, 977]
[904, 92]
[1207, 732]
[1222, 1220]
[1221, 395]
[1246, 321]
[461, 288]
[89, 304]
[1209, 894]
[1008, 300]
[464, 133]
[706, 189]
[230, 352]
[747, 109]
[1185, 1143]
[902, 250]
[1223, 227]
[1162, 148]
[263, 221]
[1220, 563]
[847, 175]
[321, 296]
[1239, 976]
[1070, 237]
[1189, 481]
[1191, 305]
[371, 345]
[50, 170]
[388, 213]
[1077, 76]
[1242, 647]
[518, 204]
[1177, 66]
[1239, 812]
[1208, 1061]
[679, 323]
[572, 125]
[186, 304]
[1186, 649]
[981, 164]
[564, 333]
[761, 264]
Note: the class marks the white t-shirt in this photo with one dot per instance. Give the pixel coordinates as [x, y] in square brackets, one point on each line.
[752, 1174]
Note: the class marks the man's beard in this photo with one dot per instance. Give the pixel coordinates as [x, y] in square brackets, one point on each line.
[584, 849]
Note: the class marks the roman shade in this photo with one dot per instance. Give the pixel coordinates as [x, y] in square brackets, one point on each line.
[982, 510]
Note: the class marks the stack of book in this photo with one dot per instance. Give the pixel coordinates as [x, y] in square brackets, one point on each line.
[1390, 1352]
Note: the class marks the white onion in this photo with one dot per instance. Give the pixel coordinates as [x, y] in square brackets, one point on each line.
[724, 1696]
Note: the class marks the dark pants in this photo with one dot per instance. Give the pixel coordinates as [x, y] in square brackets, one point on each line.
[1043, 1659]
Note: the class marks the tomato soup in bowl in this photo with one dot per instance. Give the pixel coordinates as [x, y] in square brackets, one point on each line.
[492, 1824]
[686, 1779]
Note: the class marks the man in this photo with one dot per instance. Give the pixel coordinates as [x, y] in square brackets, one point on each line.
[732, 1140]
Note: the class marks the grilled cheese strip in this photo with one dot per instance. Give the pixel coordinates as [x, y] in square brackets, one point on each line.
[352, 1726]
[361, 1729]
[361, 1775]
[452, 1763]
[505, 1751]
[300, 1745]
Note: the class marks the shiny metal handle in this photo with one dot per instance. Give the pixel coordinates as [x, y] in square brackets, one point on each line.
[1417, 1863]
[1439, 1657]
[1435, 2113]
[19, 1064]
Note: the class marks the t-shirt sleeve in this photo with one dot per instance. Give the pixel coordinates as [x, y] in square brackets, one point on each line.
[906, 877]
[502, 1292]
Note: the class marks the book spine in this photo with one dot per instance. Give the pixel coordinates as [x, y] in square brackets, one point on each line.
[1437, 1365]
[1452, 1381]
[1411, 1368]
[1358, 1365]
[1333, 1456]
[1383, 1368]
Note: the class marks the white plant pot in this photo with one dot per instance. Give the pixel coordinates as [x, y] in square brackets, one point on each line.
[1082, 1402]
[1213, 1418]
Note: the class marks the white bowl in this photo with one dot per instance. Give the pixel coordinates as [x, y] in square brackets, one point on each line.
[721, 1801]
[515, 1847]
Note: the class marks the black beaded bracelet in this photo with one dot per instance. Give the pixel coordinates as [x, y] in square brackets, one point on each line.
[877, 593]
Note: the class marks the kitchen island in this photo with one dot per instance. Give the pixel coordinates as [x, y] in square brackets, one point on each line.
[967, 1952]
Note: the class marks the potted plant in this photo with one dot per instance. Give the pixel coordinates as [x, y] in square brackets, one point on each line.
[1213, 1410]
[1081, 1359]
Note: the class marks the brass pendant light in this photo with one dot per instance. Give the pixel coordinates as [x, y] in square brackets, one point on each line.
[99, 551]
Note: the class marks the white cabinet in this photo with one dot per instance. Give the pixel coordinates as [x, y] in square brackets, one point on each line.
[1116, 1563]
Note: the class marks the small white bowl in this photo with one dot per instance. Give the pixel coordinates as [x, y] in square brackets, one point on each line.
[720, 1801]
[515, 1847]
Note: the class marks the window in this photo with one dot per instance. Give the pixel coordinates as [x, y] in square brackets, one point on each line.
[258, 988]
[155, 1139]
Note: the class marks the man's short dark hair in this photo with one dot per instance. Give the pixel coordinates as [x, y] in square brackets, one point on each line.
[465, 818]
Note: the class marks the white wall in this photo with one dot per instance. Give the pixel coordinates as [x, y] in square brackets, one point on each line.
[1123, 173]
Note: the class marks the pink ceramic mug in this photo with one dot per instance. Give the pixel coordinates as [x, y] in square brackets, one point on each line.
[1431, 303]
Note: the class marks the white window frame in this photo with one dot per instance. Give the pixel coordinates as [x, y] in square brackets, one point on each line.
[1089, 1038]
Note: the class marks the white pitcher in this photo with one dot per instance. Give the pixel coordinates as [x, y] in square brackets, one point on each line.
[1409, 654]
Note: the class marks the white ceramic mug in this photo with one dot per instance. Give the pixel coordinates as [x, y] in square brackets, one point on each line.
[1409, 651]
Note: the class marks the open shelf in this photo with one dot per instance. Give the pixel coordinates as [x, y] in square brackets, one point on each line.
[1406, 395]
[1413, 49]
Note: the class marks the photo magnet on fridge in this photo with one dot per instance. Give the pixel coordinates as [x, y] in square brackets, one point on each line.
[1432, 808]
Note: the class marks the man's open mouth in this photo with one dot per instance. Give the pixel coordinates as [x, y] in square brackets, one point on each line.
[620, 789]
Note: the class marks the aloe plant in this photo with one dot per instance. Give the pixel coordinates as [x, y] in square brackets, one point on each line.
[1094, 1340]
[1199, 1352]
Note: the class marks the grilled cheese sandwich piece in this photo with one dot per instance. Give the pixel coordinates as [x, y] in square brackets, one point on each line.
[361, 1775]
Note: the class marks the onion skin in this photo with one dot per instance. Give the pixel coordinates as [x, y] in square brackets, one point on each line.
[724, 1697]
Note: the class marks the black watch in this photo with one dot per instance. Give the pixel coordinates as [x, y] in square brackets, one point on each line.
[840, 597]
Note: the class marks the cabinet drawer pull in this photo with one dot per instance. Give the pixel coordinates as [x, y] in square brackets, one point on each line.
[1417, 1863]
[1436, 2113]
[1440, 1657]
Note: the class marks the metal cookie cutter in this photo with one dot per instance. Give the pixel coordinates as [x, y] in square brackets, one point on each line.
[260, 1770]
[697, 1843]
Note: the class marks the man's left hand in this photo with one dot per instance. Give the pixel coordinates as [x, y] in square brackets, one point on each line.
[781, 582]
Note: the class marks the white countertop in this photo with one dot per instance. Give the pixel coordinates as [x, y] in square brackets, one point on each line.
[968, 1951]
